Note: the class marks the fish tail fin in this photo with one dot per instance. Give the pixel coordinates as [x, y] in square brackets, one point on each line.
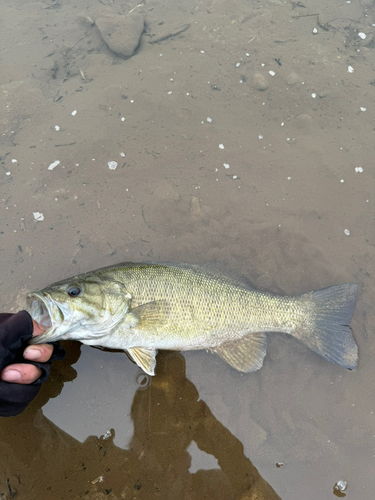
[330, 335]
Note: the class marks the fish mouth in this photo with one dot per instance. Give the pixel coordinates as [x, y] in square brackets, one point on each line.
[47, 314]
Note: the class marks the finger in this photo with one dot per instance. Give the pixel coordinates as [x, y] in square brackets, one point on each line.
[40, 352]
[38, 329]
[21, 373]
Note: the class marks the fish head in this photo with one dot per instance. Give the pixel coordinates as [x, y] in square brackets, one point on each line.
[82, 309]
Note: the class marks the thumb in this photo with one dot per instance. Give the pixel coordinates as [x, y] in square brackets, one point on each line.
[38, 329]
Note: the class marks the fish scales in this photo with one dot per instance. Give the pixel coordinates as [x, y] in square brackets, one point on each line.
[142, 307]
[203, 303]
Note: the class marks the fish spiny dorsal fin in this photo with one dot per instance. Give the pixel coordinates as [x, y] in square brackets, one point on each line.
[246, 354]
[145, 358]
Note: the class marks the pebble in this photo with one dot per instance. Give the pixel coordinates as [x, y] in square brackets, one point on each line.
[38, 216]
[292, 78]
[304, 120]
[85, 20]
[195, 209]
[260, 82]
[122, 33]
[340, 485]
[54, 164]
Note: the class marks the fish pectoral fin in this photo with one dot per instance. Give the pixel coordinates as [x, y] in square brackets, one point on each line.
[151, 314]
[246, 354]
[145, 358]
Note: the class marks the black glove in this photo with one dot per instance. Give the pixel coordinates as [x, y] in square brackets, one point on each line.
[15, 332]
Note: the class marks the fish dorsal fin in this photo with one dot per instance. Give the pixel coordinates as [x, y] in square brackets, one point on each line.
[246, 354]
[145, 358]
[150, 314]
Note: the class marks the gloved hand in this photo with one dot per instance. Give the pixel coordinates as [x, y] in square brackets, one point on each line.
[15, 331]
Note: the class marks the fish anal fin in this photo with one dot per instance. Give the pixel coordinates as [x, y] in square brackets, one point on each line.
[246, 354]
[151, 314]
[145, 358]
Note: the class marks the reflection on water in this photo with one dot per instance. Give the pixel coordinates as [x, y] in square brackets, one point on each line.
[167, 416]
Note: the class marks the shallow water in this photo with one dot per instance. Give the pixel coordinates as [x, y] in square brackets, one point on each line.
[300, 177]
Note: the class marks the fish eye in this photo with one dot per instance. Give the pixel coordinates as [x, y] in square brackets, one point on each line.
[74, 291]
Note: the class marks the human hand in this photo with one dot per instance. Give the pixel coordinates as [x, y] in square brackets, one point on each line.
[22, 373]
[23, 368]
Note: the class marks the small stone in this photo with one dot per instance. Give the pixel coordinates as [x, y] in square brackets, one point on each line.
[340, 486]
[54, 165]
[122, 34]
[304, 120]
[260, 82]
[85, 20]
[38, 216]
[195, 209]
[292, 79]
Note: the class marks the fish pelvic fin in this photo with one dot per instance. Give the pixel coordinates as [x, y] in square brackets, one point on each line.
[145, 358]
[330, 335]
[245, 354]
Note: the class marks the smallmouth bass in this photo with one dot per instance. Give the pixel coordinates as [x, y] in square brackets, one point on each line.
[143, 307]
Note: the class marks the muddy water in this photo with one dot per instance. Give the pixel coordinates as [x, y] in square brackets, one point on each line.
[292, 212]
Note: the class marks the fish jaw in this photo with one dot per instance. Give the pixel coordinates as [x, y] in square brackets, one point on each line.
[63, 321]
[59, 319]
[45, 312]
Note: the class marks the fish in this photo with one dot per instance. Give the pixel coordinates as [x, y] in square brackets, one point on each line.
[143, 307]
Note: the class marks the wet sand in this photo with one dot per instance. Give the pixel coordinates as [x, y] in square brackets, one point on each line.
[293, 212]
